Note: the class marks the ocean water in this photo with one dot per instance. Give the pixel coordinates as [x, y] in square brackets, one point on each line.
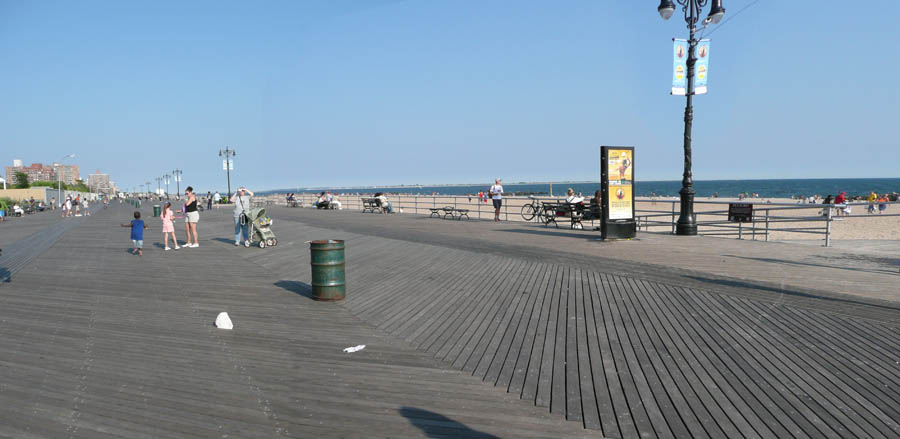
[786, 188]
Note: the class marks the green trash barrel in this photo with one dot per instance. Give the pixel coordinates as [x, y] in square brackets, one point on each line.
[327, 261]
[156, 210]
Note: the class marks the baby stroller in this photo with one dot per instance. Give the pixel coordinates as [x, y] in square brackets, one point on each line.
[260, 228]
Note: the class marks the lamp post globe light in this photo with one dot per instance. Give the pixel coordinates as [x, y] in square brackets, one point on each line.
[687, 221]
[228, 153]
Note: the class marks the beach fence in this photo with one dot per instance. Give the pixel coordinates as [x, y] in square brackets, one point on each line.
[768, 218]
[652, 214]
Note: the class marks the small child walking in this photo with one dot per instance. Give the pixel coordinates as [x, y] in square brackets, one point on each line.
[168, 228]
[137, 233]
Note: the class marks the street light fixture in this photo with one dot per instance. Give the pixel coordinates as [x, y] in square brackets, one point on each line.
[687, 221]
[228, 153]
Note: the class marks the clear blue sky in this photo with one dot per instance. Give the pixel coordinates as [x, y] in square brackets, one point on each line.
[330, 92]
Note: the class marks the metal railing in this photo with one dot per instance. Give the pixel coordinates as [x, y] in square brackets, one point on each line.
[767, 217]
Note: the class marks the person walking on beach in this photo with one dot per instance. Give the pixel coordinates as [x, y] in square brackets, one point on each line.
[191, 217]
[137, 233]
[168, 226]
[840, 203]
[496, 192]
[241, 200]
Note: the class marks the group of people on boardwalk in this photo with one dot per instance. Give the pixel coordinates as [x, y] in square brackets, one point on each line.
[191, 216]
[74, 206]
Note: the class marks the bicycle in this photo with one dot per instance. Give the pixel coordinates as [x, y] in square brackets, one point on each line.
[529, 211]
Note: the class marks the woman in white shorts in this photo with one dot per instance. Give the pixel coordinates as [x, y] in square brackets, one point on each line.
[191, 218]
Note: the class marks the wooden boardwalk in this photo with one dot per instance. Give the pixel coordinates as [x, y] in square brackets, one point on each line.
[97, 343]
[461, 342]
[626, 355]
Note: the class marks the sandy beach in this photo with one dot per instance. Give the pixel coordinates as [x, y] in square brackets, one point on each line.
[784, 213]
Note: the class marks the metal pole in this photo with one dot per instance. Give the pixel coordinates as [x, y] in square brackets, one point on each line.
[687, 222]
[228, 173]
[673, 217]
[767, 225]
[828, 227]
[177, 174]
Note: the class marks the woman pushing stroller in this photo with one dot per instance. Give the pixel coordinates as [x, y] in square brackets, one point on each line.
[241, 200]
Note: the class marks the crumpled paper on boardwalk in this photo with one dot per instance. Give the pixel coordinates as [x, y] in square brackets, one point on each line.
[355, 348]
[223, 321]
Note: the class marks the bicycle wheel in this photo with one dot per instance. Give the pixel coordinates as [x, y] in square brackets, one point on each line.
[528, 212]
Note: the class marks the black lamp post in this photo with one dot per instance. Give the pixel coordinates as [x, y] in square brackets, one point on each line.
[687, 221]
[228, 153]
[177, 173]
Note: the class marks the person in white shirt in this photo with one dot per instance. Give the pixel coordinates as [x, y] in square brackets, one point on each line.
[496, 193]
[571, 198]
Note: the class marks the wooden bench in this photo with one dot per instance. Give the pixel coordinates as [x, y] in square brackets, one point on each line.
[551, 212]
[372, 205]
[455, 213]
[448, 211]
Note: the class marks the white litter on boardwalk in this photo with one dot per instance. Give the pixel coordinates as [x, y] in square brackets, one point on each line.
[223, 321]
[355, 348]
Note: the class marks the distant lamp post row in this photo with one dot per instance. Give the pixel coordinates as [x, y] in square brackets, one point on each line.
[228, 153]
[687, 221]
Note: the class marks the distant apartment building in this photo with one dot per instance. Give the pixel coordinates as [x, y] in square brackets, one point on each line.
[68, 173]
[35, 172]
[100, 183]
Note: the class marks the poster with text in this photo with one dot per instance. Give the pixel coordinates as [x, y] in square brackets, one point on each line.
[701, 67]
[620, 201]
[679, 69]
[620, 174]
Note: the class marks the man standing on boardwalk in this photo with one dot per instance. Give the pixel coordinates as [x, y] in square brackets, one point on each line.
[496, 193]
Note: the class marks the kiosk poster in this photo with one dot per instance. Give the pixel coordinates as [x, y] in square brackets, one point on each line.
[620, 172]
[679, 68]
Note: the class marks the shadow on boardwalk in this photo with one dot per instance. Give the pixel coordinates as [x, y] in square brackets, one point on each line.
[302, 288]
[756, 286]
[436, 425]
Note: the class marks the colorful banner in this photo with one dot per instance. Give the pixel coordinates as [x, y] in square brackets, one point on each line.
[620, 172]
[701, 67]
[679, 71]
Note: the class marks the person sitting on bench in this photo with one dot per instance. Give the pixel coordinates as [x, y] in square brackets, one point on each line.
[383, 202]
[322, 202]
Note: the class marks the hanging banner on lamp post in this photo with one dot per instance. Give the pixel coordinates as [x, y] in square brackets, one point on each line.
[679, 69]
[227, 165]
[701, 68]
